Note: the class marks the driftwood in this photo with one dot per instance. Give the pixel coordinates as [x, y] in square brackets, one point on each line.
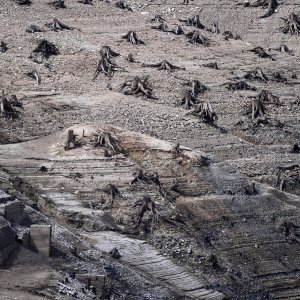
[188, 100]
[266, 97]
[106, 66]
[133, 38]
[46, 49]
[34, 28]
[3, 47]
[193, 21]
[291, 24]
[164, 65]
[137, 86]
[112, 190]
[212, 65]
[177, 30]
[106, 51]
[161, 27]
[241, 85]
[158, 18]
[106, 140]
[205, 112]
[56, 25]
[34, 75]
[261, 52]
[256, 74]
[195, 37]
[58, 4]
[146, 205]
[123, 5]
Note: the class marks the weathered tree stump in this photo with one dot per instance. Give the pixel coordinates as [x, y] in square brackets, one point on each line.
[229, 35]
[106, 66]
[195, 37]
[212, 65]
[112, 190]
[158, 18]
[146, 205]
[6, 109]
[106, 51]
[241, 85]
[123, 5]
[70, 143]
[177, 30]
[291, 24]
[137, 86]
[261, 53]
[266, 97]
[164, 65]
[56, 25]
[257, 108]
[193, 21]
[87, 2]
[45, 49]
[188, 101]
[106, 140]
[205, 112]
[3, 47]
[133, 38]
[23, 2]
[257, 74]
[58, 4]
[161, 27]
[34, 28]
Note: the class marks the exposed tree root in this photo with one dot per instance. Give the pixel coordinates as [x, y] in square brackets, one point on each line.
[177, 30]
[161, 27]
[3, 47]
[164, 65]
[133, 38]
[34, 28]
[193, 21]
[256, 74]
[205, 112]
[106, 140]
[261, 52]
[123, 5]
[58, 4]
[241, 85]
[106, 51]
[137, 86]
[195, 37]
[291, 25]
[34, 75]
[212, 65]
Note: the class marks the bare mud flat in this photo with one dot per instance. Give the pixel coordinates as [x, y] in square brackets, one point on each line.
[168, 166]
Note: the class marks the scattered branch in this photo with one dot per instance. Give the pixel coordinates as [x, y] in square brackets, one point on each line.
[158, 18]
[266, 97]
[106, 66]
[43, 51]
[146, 205]
[133, 38]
